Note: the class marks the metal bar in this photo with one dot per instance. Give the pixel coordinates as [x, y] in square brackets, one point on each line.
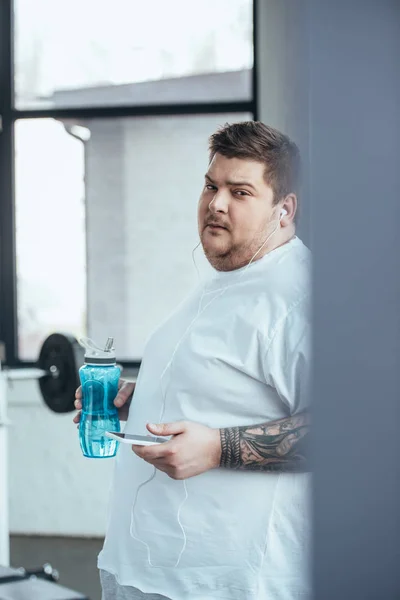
[12, 578]
[255, 61]
[133, 365]
[4, 525]
[29, 364]
[135, 111]
[23, 374]
[8, 304]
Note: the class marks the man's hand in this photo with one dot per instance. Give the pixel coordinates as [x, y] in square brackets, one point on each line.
[122, 399]
[192, 450]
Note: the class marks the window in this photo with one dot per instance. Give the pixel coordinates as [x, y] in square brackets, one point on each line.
[90, 52]
[50, 233]
[102, 156]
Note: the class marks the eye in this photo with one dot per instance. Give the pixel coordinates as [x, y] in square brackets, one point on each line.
[209, 187]
[241, 193]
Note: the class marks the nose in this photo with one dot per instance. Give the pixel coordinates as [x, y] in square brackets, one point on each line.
[219, 203]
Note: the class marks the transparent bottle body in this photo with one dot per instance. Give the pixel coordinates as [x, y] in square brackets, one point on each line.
[99, 414]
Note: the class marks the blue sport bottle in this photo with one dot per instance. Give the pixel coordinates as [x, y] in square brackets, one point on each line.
[99, 379]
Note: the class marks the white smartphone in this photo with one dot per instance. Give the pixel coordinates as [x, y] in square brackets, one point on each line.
[136, 440]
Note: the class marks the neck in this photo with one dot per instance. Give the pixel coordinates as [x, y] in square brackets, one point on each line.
[230, 264]
[286, 235]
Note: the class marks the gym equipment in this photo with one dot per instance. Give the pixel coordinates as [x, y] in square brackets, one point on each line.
[38, 584]
[57, 371]
[60, 358]
[45, 572]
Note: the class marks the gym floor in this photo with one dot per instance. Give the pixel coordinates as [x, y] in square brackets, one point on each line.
[74, 558]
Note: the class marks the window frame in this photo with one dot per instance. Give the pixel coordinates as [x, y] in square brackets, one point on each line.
[10, 115]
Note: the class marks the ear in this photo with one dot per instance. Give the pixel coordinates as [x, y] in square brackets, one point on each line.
[289, 204]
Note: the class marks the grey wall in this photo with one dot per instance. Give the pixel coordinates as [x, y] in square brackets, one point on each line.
[355, 183]
[329, 77]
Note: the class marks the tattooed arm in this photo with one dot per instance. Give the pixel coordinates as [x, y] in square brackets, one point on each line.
[277, 446]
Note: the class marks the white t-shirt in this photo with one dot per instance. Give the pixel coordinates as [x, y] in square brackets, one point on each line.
[244, 360]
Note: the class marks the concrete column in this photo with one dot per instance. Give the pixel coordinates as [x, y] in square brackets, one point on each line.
[283, 80]
[105, 176]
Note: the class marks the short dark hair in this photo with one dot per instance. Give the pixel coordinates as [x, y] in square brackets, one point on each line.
[253, 140]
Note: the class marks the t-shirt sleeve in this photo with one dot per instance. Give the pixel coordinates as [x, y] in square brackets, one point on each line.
[287, 362]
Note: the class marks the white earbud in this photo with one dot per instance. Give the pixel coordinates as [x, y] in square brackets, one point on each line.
[283, 213]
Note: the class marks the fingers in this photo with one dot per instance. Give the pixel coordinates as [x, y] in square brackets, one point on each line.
[156, 452]
[125, 393]
[167, 428]
[78, 405]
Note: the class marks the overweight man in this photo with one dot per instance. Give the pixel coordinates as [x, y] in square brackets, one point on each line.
[221, 510]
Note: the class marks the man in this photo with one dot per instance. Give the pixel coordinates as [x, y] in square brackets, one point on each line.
[224, 514]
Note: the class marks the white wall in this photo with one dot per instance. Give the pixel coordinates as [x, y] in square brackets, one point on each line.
[53, 489]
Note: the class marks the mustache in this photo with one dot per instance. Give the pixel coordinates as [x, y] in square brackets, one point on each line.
[216, 223]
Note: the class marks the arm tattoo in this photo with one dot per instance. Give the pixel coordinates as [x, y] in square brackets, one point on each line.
[277, 446]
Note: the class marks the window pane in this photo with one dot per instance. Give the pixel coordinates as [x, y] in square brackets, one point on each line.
[88, 52]
[143, 178]
[50, 233]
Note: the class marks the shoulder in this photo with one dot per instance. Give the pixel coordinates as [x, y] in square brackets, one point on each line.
[290, 279]
[285, 290]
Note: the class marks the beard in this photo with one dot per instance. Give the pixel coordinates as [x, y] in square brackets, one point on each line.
[235, 256]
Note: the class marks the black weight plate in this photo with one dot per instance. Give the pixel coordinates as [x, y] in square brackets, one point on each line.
[63, 352]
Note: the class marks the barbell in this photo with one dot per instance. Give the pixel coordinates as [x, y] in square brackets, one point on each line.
[57, 371]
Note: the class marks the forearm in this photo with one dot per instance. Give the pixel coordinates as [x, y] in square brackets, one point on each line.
[276, 446]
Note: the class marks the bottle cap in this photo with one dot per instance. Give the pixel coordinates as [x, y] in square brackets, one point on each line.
[94, 355]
